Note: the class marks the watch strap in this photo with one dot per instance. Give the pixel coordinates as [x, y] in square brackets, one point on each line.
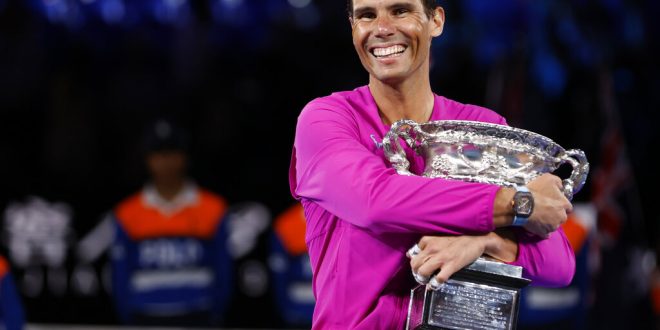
[519, 221]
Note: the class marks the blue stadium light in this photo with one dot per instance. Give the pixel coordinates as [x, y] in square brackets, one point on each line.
[113, 11]
[299, 3]
[171, 11]
[66, 12]
[229, 12]
[307, 16]
[230, 4]
[549, 73]
[110, 12]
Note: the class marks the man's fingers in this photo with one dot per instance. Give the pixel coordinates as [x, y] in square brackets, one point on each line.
[417, 261]
[430, 266]
[423, 242]
[420, 278]
[569, 207]
[557, 181]
[443, 276]
[434, 284]
[413, 251]
[538, 231]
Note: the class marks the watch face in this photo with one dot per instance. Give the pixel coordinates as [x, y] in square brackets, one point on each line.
[523, 204]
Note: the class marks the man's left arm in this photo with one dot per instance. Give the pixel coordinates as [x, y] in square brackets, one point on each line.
[547, 262]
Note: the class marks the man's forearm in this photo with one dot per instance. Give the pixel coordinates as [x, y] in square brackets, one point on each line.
[502, 245]
[502, 208]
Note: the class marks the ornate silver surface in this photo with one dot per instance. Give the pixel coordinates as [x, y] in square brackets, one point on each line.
[483, 152]
[483, 295]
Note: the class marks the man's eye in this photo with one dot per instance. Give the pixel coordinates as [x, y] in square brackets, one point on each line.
[400, 11]
[367, 16]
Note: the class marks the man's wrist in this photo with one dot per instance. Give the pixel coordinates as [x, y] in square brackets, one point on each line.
[502, 210]
[502, 245]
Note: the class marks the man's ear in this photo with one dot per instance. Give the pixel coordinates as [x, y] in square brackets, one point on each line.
[438, 20]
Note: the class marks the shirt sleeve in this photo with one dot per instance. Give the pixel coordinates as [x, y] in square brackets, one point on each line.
[334, 169]
[547, 262]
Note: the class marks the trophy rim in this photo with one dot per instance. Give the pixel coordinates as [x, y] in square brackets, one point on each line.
[504, 145]
[542, 142]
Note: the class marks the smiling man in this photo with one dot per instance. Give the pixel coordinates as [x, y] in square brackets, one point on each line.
[362, 216]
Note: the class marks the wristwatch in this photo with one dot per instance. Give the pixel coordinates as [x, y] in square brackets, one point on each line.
[523, 205]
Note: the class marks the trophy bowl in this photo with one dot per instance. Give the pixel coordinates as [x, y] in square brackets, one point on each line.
[483, 152]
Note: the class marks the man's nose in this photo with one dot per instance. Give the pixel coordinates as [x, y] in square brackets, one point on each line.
[384, 26]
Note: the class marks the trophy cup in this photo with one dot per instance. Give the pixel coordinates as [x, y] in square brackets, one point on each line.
[485, 294]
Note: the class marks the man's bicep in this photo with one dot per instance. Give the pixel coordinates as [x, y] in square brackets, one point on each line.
[335, 170]
[331, 162]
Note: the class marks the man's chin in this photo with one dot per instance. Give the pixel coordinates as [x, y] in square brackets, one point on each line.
[389, 78]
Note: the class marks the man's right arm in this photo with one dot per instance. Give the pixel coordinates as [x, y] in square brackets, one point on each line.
[335, 170]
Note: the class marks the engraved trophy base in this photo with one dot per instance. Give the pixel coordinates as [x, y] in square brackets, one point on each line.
[484, 295]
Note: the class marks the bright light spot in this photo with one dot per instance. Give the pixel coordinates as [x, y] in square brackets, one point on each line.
[231, 3]
[299, 3]
[57, 11]
[113, 11]
[174, 3]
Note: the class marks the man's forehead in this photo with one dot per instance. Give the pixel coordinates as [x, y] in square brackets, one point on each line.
[383, 3]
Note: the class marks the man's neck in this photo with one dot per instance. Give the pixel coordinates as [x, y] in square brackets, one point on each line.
[169, 189]
[412, 99]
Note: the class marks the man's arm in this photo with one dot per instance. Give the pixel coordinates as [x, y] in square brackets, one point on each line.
[542, 250]
[547, 262]
[335, 170]
[551, 207]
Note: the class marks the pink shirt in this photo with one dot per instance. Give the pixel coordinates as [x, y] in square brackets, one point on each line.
[362, 216]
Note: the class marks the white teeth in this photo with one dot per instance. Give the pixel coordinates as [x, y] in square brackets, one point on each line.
[382, 52]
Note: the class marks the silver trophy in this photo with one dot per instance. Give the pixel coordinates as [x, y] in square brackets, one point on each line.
[485, 294]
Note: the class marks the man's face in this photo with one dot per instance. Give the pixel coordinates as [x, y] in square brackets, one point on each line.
[167, 165]
[393, 37]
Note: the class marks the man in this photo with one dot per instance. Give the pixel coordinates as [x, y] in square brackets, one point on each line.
[362, 217]
[170, 264]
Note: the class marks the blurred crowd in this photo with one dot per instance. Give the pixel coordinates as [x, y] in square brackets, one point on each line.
[145, 146]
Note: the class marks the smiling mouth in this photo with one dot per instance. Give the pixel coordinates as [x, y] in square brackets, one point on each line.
[385, 52]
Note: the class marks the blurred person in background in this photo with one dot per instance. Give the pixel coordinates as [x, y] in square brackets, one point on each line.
[11, 312]
[292, 273]
[170, 264]
[362, 216]
[169, 259]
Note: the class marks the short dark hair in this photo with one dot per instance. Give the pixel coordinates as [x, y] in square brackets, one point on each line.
[429, 6]
[165, 135]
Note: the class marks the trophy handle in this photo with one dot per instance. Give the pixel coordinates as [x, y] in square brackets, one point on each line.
[577, 159]
[392, 148]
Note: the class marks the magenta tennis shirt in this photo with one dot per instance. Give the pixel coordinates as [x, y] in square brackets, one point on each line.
[362, 216]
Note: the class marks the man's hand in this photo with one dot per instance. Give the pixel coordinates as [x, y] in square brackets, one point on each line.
[445, 253]
[449, 254]
[551, 207]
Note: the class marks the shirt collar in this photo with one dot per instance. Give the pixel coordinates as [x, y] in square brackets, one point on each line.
[186, 197]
